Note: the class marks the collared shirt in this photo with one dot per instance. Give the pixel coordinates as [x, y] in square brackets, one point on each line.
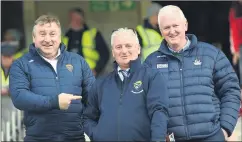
[183, 49]
[120, 74]
[53, 61]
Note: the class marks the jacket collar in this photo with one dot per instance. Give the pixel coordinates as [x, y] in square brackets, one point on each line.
[134, 65]
[164, 48]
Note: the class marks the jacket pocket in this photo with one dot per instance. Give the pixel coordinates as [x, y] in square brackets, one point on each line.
[29, 121]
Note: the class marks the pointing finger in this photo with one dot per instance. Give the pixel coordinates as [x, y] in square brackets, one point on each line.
[76, 97]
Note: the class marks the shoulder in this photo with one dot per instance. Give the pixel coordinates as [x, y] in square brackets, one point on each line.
[208, 49]
[102, 80]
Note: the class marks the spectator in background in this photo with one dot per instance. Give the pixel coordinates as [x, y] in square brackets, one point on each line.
[149, 33]
[235, 20]
[12, 37]
[87, 42]
[7, 58]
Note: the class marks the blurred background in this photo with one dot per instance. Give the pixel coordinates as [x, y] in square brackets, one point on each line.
[210, 21]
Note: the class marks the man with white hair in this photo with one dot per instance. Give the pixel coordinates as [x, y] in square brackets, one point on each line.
[130, 103]
[203, 88]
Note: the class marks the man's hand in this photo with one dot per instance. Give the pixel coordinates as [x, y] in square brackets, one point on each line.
[94, 72]
[236, 57]
[65, 100]
[225, 135]
[4, 91]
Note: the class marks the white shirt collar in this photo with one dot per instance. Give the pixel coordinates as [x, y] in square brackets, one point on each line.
[120, 74]
[183, 49]
[49, 60]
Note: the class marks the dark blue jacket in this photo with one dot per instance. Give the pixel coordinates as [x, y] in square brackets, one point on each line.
[35, 86]
[133, 111]
[203, 89]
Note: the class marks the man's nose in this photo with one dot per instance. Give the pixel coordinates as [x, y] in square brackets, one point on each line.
[47, 38]
[172, 30]
[124, 49]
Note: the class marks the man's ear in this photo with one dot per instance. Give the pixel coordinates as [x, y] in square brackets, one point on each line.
[186, 26]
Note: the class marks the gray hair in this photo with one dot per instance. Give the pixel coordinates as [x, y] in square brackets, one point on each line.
[170, 9]
[45, 19]
[121, 30]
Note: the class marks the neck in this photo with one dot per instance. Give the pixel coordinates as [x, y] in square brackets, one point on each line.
[124, 67]
[49, 56]
[178, 47]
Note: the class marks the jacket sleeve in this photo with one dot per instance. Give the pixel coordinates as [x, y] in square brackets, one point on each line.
[103, 51]
[22, 96]
[148, 61]
[88, 80]
[91, 113]
[157, 106]
[228, 91]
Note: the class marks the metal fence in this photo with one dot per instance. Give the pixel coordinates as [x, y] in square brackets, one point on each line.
[13, 129]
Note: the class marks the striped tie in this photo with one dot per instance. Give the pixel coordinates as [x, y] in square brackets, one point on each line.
[125, 74]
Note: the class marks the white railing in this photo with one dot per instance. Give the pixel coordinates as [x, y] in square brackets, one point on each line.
[13, 130]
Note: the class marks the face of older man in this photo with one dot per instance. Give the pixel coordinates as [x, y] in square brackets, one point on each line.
[47, 38]
[125, 48]
[173, 28]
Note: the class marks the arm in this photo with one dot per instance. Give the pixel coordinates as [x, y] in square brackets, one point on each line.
[228, 91]
[22, 96]
[157, 106]
[91, 113]
[148, 61]
[103, 51]
[88, 80]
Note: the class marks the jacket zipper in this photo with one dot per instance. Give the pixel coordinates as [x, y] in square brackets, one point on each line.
[120, 105]
[183, 97]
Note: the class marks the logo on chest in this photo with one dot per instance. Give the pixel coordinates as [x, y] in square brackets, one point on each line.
[197, 62]
[137, 87]
[69, 67]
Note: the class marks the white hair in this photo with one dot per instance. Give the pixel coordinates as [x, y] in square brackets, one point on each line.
[170, 9]
[124, 30]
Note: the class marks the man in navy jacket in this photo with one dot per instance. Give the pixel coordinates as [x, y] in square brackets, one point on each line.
[48, 83]
[203, 87]
[130, 103]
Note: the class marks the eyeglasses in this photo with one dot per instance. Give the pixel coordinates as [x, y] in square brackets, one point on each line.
[133, 30]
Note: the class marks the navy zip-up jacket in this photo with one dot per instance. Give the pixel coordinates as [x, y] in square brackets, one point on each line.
[135, 110]
[35, 86]
[203, 89]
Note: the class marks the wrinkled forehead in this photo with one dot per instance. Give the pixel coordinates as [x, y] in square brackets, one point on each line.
[127, 37]
[47, 27]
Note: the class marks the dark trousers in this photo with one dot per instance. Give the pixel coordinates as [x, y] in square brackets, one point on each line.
[217, 137]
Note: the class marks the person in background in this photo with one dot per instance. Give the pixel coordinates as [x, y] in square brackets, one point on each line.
[7, 58]
[235, 21]
[47, 84]
[203, 87]
[149, 33]
[87, 42]
[12, 38]
[131, 102]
